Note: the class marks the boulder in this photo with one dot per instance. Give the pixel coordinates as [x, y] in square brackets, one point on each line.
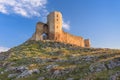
[115, 76]
[56, 73]
[38, 60]
[2, 72]
[89, 58]
[114, 63]
[35, 71]
[49, 67]
[21, 68]
[111, 64]
[41, 78]
[2, 58]
[70, 79]
[12, 75]
[97, 67]
[27, 73]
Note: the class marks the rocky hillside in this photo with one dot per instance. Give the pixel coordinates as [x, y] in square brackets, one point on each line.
[48, 60]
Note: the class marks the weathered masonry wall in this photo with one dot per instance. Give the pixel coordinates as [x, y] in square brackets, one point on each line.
[41, 28]
[71, 39]
[52, 30]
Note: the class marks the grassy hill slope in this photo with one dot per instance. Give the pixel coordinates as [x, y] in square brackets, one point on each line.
[49, 60]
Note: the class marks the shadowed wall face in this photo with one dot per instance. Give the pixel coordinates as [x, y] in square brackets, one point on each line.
[42, 30]
[87, 43]
[53, 31]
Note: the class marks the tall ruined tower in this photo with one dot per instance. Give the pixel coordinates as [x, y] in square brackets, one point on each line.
[55, 25]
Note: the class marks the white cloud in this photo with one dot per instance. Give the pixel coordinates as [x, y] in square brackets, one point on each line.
[3, 9]
[27, 8]
[66, 25]
[3, 49]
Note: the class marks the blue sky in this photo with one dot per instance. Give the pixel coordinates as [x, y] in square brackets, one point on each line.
[97, 20]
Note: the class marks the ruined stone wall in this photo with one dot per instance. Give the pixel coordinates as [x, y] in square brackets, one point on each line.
[71, 39]
[41, 28]
[53, 30]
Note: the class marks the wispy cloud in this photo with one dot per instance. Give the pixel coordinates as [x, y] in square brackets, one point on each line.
[66, 25]
[3, 49]
[26, 8]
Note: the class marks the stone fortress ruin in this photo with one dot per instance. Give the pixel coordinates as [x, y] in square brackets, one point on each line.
[52, 30]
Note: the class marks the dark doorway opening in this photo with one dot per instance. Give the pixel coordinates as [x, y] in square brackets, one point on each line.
[45, 28]
[44, 36]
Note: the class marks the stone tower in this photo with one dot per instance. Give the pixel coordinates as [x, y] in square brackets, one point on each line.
[55, 25]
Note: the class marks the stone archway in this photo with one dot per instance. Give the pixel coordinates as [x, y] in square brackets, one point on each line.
[44, 36]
